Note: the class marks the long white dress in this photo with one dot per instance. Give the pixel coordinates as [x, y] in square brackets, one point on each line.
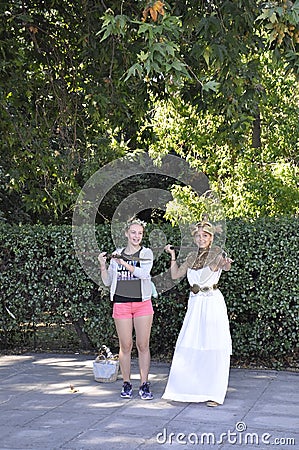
[200, 366]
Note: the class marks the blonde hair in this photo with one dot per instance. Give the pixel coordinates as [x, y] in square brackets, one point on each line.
[135, 220]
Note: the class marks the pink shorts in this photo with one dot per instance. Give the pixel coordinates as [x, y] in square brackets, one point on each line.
[132, 309]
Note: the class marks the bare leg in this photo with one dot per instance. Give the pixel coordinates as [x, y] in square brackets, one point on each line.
[124, 328]
[142, 327]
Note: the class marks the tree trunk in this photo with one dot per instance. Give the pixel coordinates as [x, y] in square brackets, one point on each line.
[83, 336]
[256, 132]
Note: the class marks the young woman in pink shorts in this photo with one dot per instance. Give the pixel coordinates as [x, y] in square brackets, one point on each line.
[130, 291]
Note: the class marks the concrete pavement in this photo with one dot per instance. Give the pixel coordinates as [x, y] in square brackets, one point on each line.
[39, 410]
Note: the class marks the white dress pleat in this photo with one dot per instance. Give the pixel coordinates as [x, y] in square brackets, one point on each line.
[200, 366]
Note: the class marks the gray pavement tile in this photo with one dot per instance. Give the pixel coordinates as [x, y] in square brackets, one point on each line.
[152, 408]
[94, 439]
[96, 406]
[11, 418]
[72, 420]
[35, 438]
[281, 388]
[142, 427]
[35, 400]
[274, 420]
[38, 410]
[226, 414]
[279, 396]
[282, 407]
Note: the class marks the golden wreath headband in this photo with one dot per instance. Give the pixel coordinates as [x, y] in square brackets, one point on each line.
[207, 227]
[135, 220]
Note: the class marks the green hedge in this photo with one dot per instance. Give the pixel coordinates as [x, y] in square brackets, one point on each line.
[48, 302]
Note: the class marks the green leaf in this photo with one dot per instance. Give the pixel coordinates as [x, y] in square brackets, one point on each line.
[211, 86]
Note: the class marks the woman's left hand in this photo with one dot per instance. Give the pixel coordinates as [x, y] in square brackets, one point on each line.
[226, 263]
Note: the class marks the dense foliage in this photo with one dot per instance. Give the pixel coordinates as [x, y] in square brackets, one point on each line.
[47, 301]
[82, 83]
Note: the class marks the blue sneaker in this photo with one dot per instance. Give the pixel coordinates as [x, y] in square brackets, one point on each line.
[144, 391]
[126, 391]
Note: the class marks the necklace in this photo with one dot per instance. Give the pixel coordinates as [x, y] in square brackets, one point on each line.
[201, 258]
[205, 257]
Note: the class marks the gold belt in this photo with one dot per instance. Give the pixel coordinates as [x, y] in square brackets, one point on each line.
[196, 289]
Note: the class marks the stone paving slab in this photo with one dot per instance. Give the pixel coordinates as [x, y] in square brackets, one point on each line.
[51, 401]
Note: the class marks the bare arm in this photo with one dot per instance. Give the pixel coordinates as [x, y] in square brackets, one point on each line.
[104, 272]
[175, 270]
[222, 261]
[226, 263]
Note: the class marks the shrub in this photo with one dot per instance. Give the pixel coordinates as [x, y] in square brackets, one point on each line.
[48, 302]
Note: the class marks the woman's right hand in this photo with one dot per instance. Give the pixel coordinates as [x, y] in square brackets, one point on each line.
[102, 259]
[169, 249]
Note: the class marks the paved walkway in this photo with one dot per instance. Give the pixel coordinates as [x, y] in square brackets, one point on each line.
[39, 410]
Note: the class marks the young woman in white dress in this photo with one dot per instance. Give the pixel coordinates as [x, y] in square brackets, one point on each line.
[200, 366]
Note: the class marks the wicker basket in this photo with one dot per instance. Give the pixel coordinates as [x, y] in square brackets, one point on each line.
[105, 369]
